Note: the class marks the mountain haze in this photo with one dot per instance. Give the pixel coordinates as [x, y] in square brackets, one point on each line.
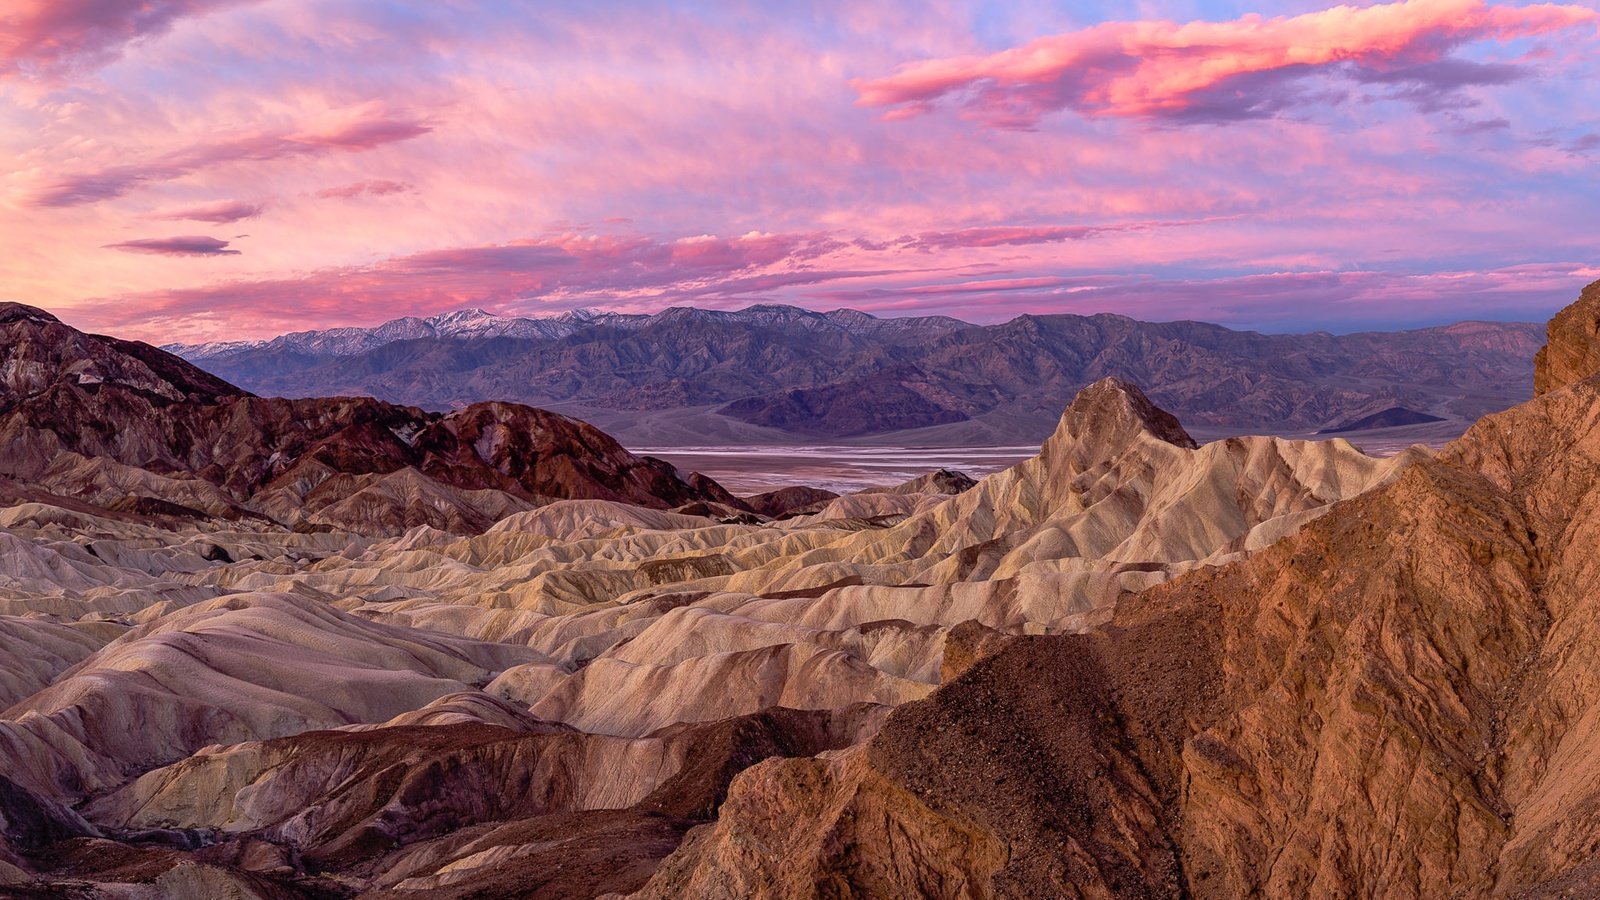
[770, 374]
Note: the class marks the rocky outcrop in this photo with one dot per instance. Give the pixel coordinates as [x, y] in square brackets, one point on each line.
[116, 422]
[784, 502]
[1393, 417]
[41, 353]
[940, 481]
[1572, 345]
[897, 399]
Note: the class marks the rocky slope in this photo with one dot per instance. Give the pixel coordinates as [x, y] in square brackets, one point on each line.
[770, 373]
[116, 422]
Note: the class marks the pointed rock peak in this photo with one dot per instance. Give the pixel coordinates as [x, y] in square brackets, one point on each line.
[1572, 345]
[1115, 410]
[17, 312]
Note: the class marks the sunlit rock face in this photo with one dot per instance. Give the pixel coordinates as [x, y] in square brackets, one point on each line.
[1572, 350]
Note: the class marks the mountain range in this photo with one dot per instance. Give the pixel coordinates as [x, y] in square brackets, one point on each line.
[777, 374]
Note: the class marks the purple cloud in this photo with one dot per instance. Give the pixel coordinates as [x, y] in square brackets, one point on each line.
[182, 245]
[216, 213]
[114, 181]
[1222, 71]
[493, 276]
[1020, 235]
[378, 188]
[44, 38]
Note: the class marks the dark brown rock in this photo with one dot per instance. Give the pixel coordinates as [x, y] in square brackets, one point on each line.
[69, 392]
[784, 502]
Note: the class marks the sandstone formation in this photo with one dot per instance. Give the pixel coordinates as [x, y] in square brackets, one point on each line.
[782, 503]
[233, 690]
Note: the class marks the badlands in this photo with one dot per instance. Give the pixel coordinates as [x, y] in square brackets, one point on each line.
[506, 658]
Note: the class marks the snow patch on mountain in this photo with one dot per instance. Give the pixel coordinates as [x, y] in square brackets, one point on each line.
[479, 324]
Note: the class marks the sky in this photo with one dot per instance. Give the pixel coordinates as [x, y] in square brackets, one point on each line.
[188, 170]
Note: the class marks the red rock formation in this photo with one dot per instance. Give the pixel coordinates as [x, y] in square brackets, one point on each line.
[65, 392]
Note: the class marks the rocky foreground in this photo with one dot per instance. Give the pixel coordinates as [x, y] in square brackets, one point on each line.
[1128, 667]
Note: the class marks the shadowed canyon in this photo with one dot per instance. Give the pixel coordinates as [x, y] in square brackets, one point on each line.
[302, 648]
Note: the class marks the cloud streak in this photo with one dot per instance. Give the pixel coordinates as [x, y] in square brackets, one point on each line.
[354, 135]
[182, 245]
[502, 276]
[1251, 67]
[375, 188]
[1272, 301]
[221, 213]
[1022, 235]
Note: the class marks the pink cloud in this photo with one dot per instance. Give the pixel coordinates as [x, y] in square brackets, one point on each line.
[378, 188]
[1047, 283]
[502, 276]
[48, 37]
[114, 181]
[1019, 235]
[182, 245]
[1274, 301]
[1243, 68]
[578, 121]
[220, 213]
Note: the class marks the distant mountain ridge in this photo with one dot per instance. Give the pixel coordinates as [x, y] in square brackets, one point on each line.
[474, 324]
[772, 373]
